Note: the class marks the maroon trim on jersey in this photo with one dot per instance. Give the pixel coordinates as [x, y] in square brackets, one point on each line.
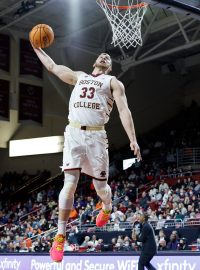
[72, 169]
[99, 179]
[96, 75]
[111, 99]
[109, 104]
[111, 90]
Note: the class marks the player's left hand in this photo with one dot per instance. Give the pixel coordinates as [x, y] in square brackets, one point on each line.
[136, 149]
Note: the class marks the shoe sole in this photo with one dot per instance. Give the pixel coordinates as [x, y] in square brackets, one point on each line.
[56, 261]
[101, 225]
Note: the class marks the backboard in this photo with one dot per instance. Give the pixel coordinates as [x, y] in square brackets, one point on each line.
[188, 7]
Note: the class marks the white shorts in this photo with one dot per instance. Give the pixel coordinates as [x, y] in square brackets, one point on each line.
[87, 151]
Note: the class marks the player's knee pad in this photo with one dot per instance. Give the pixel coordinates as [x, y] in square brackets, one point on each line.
[66, 196]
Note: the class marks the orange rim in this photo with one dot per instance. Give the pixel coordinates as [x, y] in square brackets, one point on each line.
[141, 5]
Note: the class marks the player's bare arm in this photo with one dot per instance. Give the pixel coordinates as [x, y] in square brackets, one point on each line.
[125, 114]
[62, 72]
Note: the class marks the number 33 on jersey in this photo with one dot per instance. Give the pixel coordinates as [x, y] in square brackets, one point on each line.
[91, 100]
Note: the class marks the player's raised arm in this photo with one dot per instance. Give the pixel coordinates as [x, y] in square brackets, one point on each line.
[62, 72]
[125, 115]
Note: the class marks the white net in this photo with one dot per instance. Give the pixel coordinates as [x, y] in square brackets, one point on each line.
[125, 21]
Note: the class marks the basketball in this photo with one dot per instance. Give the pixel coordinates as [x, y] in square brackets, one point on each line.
[41, 36]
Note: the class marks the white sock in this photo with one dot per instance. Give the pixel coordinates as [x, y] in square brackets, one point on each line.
[107, 207]
[62, 227]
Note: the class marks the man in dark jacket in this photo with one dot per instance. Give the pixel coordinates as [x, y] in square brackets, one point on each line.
[149, 247]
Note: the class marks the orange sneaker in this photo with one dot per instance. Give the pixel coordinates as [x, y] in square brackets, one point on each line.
[103, 217]
[57, 250]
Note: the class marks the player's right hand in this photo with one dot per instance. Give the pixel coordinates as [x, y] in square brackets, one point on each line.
[136, 149]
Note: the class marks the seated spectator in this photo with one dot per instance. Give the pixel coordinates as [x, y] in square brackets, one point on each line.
[197, 213]
[182, 245]
[94, 240]
[165, 198]
[163, 186]
[113, 242]
[116, 226]
[178, 185]
[152, 216]
[68, 246]
[130, 215]
[119, 244]
[179, 215]
[144, 201]
[190, 210]
[99, 245]
[126, 201]
[72, 236]
[126, 244]
[197, 187]
[117, 214]
[85, 242]
[122, 207]
[173, 242]
[162, 245]
[152, 193]
[162, 236]
[149, 176]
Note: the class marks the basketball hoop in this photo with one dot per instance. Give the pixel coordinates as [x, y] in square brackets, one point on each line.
[125, 21]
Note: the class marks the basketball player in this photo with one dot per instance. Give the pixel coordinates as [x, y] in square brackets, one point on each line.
[149, 247]
[85, 147]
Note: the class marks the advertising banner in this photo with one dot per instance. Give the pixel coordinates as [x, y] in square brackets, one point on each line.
[29, 62]
[4, 52]
[4, 100]
[30, 103]
[34, 262]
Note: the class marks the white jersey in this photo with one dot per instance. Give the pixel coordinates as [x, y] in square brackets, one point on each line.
[91, 100]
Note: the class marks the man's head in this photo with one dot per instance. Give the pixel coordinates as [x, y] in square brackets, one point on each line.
[103, 62]
[144, 194]
[94, 237]
[143, 217]
[162, 243]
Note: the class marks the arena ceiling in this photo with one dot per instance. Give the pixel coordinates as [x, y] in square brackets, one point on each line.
[170, 31]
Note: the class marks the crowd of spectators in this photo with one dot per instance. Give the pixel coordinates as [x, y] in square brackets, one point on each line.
[29, 223]
[23, 224]
[159, 147]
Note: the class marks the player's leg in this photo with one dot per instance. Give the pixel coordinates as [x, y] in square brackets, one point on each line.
[96, 164]
[66, 198]
[104, 192]
[66, 201]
